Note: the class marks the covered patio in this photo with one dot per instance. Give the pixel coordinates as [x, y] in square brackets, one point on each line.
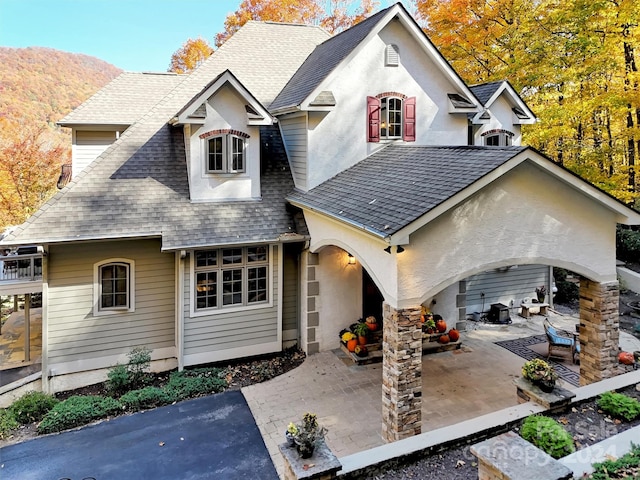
[458, 385]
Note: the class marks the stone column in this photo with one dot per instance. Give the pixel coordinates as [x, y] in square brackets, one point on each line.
[599, 330]
[401, 373]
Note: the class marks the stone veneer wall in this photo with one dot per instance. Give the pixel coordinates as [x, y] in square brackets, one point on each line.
[313, 316]
[401, 373]
[599, 330]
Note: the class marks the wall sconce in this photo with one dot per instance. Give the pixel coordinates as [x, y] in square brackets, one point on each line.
[388, 249]
[399, 249]
[351, 259]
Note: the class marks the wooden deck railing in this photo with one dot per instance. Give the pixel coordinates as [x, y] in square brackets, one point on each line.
[21, 267]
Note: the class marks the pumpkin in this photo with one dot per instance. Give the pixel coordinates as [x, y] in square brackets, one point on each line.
[352, 344]
[372, 323]
[362, 340]
[444, 339]
[441, 325]
[361, 351]
[454, 335]
[626, 358]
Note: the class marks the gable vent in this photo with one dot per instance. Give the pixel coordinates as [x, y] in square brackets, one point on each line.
[392, 56]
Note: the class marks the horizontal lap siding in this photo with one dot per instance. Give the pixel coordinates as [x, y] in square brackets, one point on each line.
[89, 146]
[75, 334]
[294, 133]
[225, 331]
[500, 287]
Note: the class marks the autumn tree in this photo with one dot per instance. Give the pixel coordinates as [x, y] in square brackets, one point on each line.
[573, 62]
[190, 56]
[29, 168]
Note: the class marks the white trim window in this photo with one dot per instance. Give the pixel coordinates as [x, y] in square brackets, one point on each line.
[498, 138]
[231, 277]
[225, 154]
[113, 286]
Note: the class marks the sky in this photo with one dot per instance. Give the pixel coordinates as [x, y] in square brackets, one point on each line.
[134, 35]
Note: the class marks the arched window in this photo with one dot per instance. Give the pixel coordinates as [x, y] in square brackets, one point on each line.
[113, 286]
[391, 117]
[498, 138]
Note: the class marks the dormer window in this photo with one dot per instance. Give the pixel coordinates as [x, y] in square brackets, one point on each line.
[391, 116]
[225, 151]
[498, 138]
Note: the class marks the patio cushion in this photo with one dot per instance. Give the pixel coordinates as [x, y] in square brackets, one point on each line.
[557, 339]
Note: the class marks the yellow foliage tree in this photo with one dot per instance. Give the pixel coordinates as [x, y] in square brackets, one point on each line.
[190, 56]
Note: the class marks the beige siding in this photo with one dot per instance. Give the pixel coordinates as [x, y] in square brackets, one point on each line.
[75, 334]
[294, 135]
[88, 146]
[290, 290]
[236, 332]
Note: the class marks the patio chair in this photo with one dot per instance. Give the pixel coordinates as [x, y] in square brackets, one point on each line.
[560, 340]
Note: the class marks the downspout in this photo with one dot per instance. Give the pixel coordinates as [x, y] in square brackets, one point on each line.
[44, 363]
[280, 250]
[180, 256]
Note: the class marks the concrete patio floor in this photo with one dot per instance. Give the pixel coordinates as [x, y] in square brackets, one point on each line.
[457, 385]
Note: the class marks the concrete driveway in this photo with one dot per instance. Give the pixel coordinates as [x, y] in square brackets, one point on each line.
[214, 437]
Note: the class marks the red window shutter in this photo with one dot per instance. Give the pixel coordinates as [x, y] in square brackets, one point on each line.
[373, 119]
[409, 127]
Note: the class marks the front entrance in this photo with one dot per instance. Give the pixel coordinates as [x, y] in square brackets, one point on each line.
[371, 298]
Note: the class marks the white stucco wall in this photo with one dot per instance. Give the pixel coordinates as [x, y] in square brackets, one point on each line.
[368, 251]
[502, 118]
[337, 139]
[225, 110]
[445, 304]
[340, 301]
[525, 217]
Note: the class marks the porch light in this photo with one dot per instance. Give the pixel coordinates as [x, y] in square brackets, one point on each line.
[388, 249]
[352, 259]
[399, 249]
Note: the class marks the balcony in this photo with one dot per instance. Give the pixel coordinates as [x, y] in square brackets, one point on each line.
[21, 272]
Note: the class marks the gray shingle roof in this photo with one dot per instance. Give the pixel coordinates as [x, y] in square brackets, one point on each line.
[322, 61]
[138, 186]
[383, 200]
[124, 100]
[485, 91]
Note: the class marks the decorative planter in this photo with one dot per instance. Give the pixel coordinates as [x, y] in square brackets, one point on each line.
[305, 450]
[546, 385]
[290, 439]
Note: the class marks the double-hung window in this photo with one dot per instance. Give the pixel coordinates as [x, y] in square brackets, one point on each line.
[227, 277]
[225, 154]
[113, 286]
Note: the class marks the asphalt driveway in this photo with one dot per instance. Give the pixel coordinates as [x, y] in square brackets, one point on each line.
[211, 437]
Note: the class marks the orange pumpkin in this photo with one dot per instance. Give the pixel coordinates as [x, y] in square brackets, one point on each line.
[626, 358]
[352, 344]
[454, 335]
[444, 339]
[441, 326]
[362, 340]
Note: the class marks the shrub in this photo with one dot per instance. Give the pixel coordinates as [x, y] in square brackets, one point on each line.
[118, 380]
[7, 423]
[133, 375]
[548, 435]
[627, 244]
[78, 410]
[568, 292]
[194, 383]
[32, 406]
[619, 405]
[617, 468]
[147, 397]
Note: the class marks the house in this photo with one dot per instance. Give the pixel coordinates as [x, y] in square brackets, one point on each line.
[221, 215]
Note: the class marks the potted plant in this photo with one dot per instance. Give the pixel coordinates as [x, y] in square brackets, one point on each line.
[361, 330]
[430, 326]
[541, 293]
[372, 323]
[308, 435]
[290, 434]
[540, 373]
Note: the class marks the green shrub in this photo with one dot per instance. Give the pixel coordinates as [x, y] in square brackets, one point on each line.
[32, 406]
[194, 383]
[147, 397]
[7, 423]
[133, 375]
[78, 410]
[618, 468]
[627, 244]
[118, 380]
[548, 435]
[619, 405]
